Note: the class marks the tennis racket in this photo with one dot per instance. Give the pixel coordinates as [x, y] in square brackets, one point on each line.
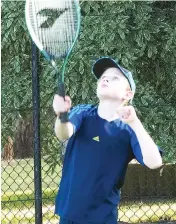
[54, 27]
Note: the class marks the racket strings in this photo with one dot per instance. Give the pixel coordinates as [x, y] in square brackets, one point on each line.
[55, 24]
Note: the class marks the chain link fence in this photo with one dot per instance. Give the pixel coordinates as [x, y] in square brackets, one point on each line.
[148, 196]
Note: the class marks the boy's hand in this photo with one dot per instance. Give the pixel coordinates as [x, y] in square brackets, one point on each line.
[127, 114]
[60, 105]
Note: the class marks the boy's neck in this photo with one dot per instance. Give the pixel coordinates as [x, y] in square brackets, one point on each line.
[107, 109]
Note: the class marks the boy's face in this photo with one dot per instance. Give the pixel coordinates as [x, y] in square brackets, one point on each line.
[114, 85]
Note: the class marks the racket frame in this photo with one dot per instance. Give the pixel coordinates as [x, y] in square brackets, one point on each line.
[61, 88]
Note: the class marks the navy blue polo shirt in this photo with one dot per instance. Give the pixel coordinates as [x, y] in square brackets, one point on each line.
[94, 168]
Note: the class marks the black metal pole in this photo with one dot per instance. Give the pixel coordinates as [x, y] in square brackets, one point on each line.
[36, 131]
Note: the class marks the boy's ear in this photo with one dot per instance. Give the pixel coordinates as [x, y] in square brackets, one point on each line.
[129, 95]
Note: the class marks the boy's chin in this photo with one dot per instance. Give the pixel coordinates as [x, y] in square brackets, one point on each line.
[103, 96]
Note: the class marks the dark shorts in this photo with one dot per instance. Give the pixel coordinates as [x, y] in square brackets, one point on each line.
[66, 221]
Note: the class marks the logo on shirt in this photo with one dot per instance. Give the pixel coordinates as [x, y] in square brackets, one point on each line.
[96, 138]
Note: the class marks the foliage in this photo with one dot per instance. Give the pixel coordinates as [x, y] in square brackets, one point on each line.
[141, 35]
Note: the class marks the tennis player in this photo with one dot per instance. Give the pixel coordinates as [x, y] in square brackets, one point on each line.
[102, 140]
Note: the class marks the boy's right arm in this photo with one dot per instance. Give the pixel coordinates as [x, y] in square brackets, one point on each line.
[63, 130]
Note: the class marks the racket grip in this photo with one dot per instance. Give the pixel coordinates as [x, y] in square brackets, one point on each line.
[63, 116]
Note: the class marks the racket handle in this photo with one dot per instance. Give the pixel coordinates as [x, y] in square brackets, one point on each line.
[63, 116]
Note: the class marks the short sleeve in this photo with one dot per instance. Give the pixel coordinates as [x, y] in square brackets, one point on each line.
[137, 149]
[160, 151]
[77, 114]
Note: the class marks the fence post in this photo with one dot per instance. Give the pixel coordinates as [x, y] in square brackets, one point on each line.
[36, 136]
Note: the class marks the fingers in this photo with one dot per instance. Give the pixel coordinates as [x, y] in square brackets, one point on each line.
[68, 103]
[60, 104]
[68, 100]
[125, 108]
[124, 112]
[127, 114]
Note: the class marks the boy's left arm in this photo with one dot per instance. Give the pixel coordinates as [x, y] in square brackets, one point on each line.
[151, 155]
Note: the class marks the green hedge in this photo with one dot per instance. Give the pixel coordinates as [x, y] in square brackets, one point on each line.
[140, 34]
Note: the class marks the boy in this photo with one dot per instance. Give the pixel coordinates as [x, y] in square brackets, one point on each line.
[102, 141]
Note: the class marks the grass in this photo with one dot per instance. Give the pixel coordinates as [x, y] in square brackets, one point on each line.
[18, 175]
[27, 216]
[132, 212]
[21, 200]
[144, 211]
[18, 198]
[17, 188]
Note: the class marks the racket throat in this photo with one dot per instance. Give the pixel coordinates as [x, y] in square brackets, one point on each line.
[55, 67]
